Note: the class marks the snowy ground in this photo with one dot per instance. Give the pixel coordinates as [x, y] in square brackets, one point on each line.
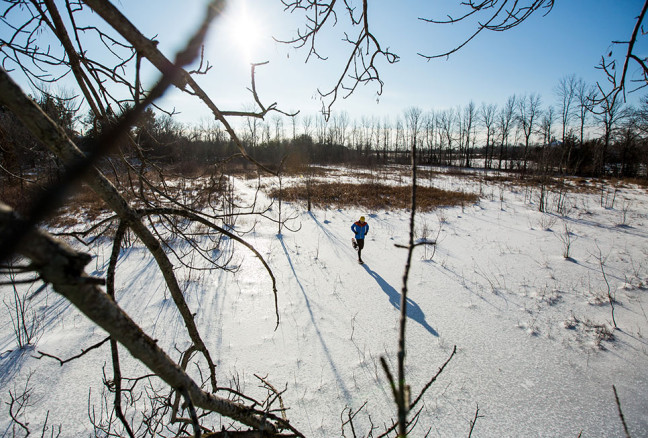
[536, 349]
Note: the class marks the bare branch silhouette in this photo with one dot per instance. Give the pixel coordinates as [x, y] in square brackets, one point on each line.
[361, 64]
[500, 16]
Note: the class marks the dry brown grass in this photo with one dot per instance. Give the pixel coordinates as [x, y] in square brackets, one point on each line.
[16, 197]
[292, 171]
[628, 182]
[567, 184]
[376, 196]
[83, 206]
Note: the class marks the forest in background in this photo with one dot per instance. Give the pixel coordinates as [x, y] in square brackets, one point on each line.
[579, 136]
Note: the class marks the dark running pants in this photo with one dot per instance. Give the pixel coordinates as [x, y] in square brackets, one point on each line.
[360, 246]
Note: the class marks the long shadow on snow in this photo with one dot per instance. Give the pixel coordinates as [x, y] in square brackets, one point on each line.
[413, 310]
[626, 229]
[11, 362]
[338, 377]
[331, 236]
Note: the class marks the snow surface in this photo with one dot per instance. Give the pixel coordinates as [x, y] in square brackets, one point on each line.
[523, 317]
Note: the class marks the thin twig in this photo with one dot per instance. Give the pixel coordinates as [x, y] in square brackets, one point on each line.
[474, 421]
[433, 379]
[70, 359]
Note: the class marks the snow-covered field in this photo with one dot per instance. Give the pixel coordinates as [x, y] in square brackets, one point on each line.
[536, 348]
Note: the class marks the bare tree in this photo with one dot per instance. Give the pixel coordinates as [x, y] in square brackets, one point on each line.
[447, 121]
[293, 124]
[469, 118]
[528, 108]
[566, 91]
[253, 126]
[609, 113]
[585, 103]
[340, 127]
[430, 125]
[63, 267]
[546, 126]
[399, 136]
[386, 137]
[413, 118]
[307, 122]
[628, 140]
[321, 133]
[487, 114]
[505, 120]
[585, 95]
[277, 121]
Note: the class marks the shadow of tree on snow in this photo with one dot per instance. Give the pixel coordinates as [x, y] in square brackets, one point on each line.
[320, 336]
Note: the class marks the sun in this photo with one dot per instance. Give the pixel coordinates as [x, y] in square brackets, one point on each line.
[245, 33]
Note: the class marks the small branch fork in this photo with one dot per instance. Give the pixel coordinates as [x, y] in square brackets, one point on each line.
[70, 359]
[360, 67]
[263, 109]
[419, 397]
[608, 99]
[609, 68]
[473, 422]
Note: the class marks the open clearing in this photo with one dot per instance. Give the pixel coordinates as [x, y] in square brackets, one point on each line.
[523, 295]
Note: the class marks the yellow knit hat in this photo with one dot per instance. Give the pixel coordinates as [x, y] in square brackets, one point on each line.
[361, 218]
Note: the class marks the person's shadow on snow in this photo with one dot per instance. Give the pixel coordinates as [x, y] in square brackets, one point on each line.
[413, 310]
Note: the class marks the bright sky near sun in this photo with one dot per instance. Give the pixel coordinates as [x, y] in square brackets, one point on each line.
[531, 58]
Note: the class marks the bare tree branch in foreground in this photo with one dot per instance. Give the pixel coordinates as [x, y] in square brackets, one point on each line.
[63, 267]
[493, 15]
[620, 86]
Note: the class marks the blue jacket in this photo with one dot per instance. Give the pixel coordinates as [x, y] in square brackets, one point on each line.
[360, 229]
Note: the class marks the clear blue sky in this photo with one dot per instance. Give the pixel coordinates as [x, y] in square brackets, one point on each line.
[528, 59]
[531, 58]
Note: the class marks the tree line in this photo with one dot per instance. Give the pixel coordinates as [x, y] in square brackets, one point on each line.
[581, 133]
